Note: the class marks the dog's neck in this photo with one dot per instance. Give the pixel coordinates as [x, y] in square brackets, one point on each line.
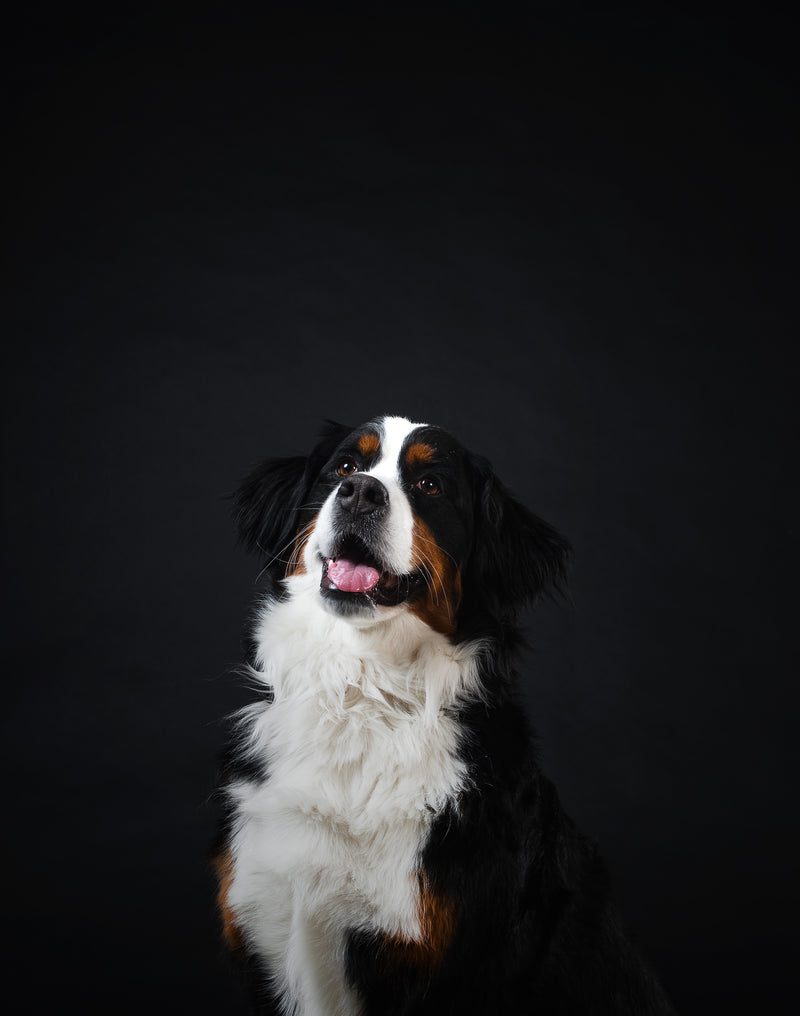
[303, 649]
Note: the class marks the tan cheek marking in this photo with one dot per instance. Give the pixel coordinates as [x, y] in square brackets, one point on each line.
[369, 445]
[439, 605]
[437, 921]
[223, 865]
[418, 454]
[297, 565]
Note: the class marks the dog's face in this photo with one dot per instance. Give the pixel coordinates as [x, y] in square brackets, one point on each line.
[395, 516]
[394, 525]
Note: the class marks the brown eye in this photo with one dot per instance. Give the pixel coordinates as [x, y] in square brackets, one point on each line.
[346, 467]
[428, 486]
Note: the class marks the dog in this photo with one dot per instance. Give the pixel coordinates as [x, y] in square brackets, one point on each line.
[389, 843]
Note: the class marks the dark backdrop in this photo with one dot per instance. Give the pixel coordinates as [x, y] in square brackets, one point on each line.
[564, 234]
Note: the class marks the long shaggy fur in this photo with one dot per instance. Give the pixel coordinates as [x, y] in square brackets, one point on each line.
[389, 843]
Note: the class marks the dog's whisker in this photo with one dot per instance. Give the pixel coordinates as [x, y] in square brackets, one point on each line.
[298, 536]
[439, 581]
[436, 546]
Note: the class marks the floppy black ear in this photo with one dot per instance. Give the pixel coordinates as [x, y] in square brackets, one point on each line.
[517, 556]
[267, 502]
[270, 499]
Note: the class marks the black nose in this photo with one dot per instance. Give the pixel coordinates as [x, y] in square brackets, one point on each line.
[362, 494]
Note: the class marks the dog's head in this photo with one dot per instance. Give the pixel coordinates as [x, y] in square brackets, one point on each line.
[398, 516]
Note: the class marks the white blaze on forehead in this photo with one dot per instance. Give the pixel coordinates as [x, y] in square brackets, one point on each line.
[399, 528]
[394, 431]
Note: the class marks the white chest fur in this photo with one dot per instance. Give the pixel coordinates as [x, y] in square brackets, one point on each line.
[362, 753]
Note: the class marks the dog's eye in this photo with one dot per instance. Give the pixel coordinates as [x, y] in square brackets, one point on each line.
[428, 486]
[346, 467]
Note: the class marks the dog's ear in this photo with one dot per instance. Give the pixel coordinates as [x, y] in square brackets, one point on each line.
[516, 555]
[267, 501]
[270, 499]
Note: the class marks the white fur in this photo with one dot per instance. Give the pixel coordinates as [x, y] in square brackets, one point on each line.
[394, 431]
[362, 753]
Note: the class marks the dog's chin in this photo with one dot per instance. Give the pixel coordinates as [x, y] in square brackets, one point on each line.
[354, 584]
[357, 608]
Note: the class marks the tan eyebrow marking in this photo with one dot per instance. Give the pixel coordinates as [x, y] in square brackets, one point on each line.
[418, 454]
[369, 444]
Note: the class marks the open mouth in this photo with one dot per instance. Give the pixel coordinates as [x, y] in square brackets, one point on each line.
[355, 575]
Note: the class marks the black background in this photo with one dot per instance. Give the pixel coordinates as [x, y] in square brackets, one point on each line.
[564, 233]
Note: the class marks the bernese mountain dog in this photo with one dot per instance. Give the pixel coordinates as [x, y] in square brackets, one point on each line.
[389, 843]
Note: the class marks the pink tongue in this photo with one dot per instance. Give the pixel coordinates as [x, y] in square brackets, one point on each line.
[352, 578]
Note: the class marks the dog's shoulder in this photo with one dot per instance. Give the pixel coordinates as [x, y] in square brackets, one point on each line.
[522, 895]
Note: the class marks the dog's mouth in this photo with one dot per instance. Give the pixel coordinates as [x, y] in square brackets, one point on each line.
[355, 574]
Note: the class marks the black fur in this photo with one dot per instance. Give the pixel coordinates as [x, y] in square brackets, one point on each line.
[536, 927]
[273, 498]
[516, 557]
[536, 930]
